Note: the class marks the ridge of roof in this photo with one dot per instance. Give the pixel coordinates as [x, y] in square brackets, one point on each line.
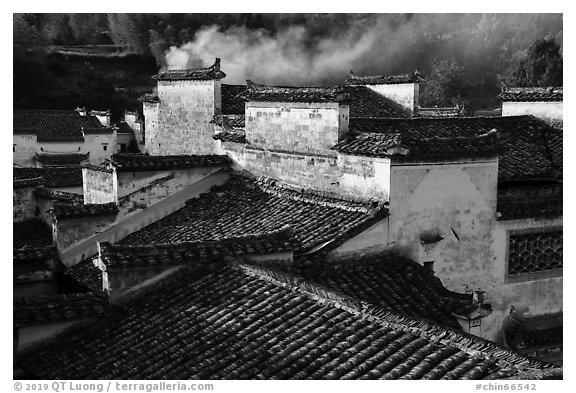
[523, 94]
[58, 195]
[413, 77]
[51, 176]
[84, 210]
[126, 162]
[61, 158]
[265, 93]
[208, 73]
[149, 97]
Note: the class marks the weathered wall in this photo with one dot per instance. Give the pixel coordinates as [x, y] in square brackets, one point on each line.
[546, 110]
[296, 127]
[23, 203]
[136, 221]
[538, 293]
[372, 240]
[72, 230]
[454, 201]
[24, 150]
[94, 143]
[185, 111]
[99, 186]
[357, 176]
[404, 94]
[151, 112]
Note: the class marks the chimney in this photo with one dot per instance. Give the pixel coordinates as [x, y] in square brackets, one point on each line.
[81, 111]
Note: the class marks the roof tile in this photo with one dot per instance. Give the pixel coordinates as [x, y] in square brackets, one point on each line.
[532, 94]
[54, 126]
[51, 177]
[144, 162]
[414, 77]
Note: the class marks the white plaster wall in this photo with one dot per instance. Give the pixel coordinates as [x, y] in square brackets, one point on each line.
[372, 240]
[93, 143]
[298, 127]
[25, 150]
[538, 293]
[99, 187]
[459, 202]
[404, 94]
[365, 176]
[542, 109]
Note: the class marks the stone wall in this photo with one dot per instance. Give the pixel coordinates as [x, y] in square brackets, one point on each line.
[542, 109]
[185, 111]
[406, 95]
[355, 176]
[23, 203]
[100, 186]
[296, 127]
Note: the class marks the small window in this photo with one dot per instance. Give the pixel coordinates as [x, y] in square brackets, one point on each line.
[533, 252]
[104, 147]
[429, 266]
[14, 148]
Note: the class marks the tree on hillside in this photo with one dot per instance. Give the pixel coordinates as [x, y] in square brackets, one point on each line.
[542, 66]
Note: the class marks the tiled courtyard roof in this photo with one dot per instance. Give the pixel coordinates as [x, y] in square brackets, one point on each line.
[38, 310]
[530, 201]
[394, 283]
[52, 177]
[143, 162]
[528, 147]
[118, 256]
[414, 77]
[414, 147]
[54, 126]
[31, 233]
[256, 92]
[239, 322]
[208, 73]
[532, 94]
[248, 206]
[61, 159]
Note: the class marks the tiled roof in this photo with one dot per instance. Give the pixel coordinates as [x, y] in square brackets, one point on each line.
[529, 201]
[209, 73]
[246, 206]
[58, 195]
[56, 126]
[84, 210]
[52, 177]
[255, 92]
[197, 252]
[414, 77]
[532, 333]
[529, 148]
[532, 94]
[230, 121]
[365, 102]
[124, 128]
[412, 146]
[85, 275]
[149, 97]
[33, 254]
[232, 99]
[31, 233]
[38, 310]
[61, 159]
[239, 322]
[394, 283]
[143, 162]
[27, 182]
[98, 130]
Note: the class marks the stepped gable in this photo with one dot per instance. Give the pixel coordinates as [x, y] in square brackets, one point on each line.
[39, 310]
[84, 210]
[523, 94]
[239, 322]
[355, 80]
[304, 94]
[200, 74]
[144, 162]
[51, 177]
[61, 159]
[530, 201]
[246, 206]
[54, 126]
[121, 256]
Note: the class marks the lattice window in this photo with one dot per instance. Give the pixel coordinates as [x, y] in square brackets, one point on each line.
[535, 252]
